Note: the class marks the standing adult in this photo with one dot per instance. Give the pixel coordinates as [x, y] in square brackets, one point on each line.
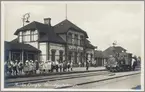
[68, 65]
[139, 61]
[56, 65]
[15, 66]
[37, 64]
[49, 66]
[134, 63]
[10, 67]
[6, 67]
[53, 66]
[60, 66]
[79, 64]
[64, 65]
[31, 66]
[87, 64]
[26, 67]
[34, 66]
[71, 65]
[20, 67]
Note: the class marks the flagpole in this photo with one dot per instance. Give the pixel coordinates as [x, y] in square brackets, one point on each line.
[66, 11]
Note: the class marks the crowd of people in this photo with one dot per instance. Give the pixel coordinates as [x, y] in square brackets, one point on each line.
[13, 67]
[16, 67]
[57, 66]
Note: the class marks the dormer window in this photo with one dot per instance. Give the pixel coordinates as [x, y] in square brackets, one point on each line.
[28, 36]
[76, 39]
[20, 37]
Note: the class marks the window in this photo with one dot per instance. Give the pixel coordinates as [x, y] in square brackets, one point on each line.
[70, 38]
[16, 56]
[61, 55]
[24, 38]
[31, 57]
[53, 55]
[69, 56]
[81, 40]
[81, 57]
[76, 39]
[20, 38]
[32, 34]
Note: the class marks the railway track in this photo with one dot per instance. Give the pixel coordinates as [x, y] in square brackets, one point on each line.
[54, 78]
[99, 80]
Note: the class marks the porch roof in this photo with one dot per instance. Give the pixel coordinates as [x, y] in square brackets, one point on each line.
[20, 46]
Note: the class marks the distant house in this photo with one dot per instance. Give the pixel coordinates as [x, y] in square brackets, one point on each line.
[63, 41]
[113, 50]
[119, 52]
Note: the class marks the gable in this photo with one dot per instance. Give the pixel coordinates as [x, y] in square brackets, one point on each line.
[65, 26]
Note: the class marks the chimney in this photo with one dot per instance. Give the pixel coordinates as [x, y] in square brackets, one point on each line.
[47, 21]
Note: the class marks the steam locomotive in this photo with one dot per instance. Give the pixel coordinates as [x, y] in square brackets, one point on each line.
[119, 62]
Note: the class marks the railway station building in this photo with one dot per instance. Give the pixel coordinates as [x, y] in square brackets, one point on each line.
[99, 58]
[63, 41]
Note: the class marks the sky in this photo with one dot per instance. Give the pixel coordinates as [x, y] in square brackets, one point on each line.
[104, 22]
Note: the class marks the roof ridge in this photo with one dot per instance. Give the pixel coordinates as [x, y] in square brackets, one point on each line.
[59, 23]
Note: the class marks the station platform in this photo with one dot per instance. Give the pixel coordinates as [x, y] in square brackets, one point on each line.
[74, 70]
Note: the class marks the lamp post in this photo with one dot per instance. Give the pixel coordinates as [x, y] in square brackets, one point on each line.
[25, 18]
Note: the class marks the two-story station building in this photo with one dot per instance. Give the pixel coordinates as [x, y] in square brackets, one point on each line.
[63, 41]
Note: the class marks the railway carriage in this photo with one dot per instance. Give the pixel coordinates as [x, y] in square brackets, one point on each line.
[119, 62]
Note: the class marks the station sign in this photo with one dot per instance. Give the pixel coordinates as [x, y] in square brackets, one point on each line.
[75, 48]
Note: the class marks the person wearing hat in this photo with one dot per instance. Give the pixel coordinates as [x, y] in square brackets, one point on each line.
[15, 67]
[26, 69]
[56, 65]
[20, 67]
[34, 66]
[68, 66]
[60, 66]
[31, 65]
[71, 65]
[87, 65]
[49, 65]
[134, 63]
[37, 65]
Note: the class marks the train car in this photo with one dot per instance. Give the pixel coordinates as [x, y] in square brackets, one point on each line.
[119, 62]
